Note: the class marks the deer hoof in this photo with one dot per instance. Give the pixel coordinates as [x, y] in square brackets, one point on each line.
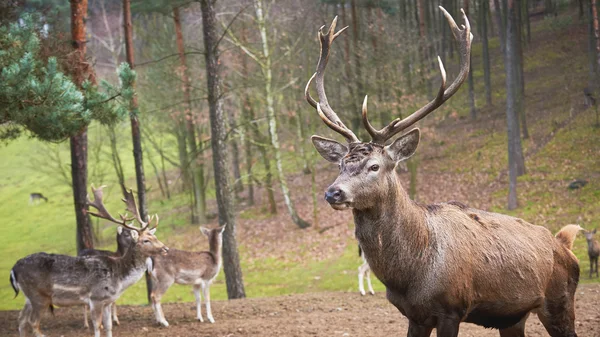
[212, 320]
[200, 319]
[371, 292]
[164, 323]
[362, 292]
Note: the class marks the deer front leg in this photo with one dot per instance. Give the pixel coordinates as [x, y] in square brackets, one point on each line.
[158, 313]
[361, 286]
[417, 330]
[85, 318]
[206, 294]
[107, 319]
[198, 303]
[96, 316]
[114, 313]
[371, 291]
[447, 327]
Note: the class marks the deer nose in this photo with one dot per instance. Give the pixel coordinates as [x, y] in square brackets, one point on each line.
[334, 195]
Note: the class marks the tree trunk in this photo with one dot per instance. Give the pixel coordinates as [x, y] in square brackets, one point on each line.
[358, 78]
[135, 130]
[84, 233]
[231, 261]
[116, 159]
[471, 83]
[512, 86]
[501, 25]
[235, 153]
[520, 75]
[486, 53]
[196, 174]
[592, 43]
[596, 32]
[271, 119]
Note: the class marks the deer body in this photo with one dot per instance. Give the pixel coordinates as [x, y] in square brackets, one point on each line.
[446, 263]
[197, 269]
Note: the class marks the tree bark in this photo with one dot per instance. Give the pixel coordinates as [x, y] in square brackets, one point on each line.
[136, 136]
[596, 32]
[501, 26]
[486, 52]
[235, 159]
[271, 119]
[195, 171]
[78, 143]
[231, 261]
[520, 75]
[358, 78]
[471, 82]
[512, 118]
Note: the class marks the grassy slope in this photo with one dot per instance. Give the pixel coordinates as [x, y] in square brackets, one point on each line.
[554, 75]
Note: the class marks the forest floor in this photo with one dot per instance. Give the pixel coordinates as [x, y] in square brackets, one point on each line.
[313, 314]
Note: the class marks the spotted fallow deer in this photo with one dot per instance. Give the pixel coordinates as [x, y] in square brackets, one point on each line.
[593, 251]
[198, 269]
[50, 279]
[446, 263]
[124, 241]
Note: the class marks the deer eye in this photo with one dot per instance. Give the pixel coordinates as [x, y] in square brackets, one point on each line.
[146, 241]
[374, 168]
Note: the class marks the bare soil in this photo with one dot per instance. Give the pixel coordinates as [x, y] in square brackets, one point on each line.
[315, 314]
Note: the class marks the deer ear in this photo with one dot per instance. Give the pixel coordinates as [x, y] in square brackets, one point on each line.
[152, 231]
[119, 230]
[205, 231]
[329, 149]
[135, 235]
[405, 146]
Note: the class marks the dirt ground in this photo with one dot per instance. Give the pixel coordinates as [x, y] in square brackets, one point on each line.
[315, 314]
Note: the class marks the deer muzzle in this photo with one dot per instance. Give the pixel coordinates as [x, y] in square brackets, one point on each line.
[336, 197]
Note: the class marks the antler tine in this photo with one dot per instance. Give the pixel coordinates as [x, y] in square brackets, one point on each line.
[464, 37]
[327, 114]
[99, 205]
[131, 205]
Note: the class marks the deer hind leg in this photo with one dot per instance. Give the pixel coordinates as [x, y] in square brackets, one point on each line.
[24, 318]
[85, 318]
[198, 303]
[206, 294]
[35, 316]
[517, 330]
[96, 316]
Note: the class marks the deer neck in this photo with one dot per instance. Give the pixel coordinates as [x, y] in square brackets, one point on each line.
[215, 245]
[131, 263]
[393, 230]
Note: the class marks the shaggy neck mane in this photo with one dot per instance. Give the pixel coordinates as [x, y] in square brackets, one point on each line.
[392, 229]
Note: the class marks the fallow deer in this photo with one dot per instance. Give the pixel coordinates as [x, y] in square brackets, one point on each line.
[51, 279]
[36, 198]
[198, 269]
[446, 263]
[124, 241]
[364, 270]
[593, 250]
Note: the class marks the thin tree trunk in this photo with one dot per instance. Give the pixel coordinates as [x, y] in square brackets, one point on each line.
[78, 142]
[596, 32]
[514, 139]
[471, 83]
[164, 175]
[527, 21]
[235, 153]
[358, 78]
[486, 53]
[267, 73]
[592, 43]
[520, 75]
[180, 132]
[196, 174]
[231, 260]
[116, 159]
[135, 130]
[501, 25]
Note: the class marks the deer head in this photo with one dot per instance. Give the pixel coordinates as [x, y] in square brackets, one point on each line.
[366, 167]
[144, 238]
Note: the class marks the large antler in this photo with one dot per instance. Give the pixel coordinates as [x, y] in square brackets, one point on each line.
[325, 111]
[131, 205]
[464, 37]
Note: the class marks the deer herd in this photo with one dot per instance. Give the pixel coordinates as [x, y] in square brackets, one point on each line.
[441, 264]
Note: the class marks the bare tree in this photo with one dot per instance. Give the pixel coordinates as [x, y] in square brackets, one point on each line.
[231, 265]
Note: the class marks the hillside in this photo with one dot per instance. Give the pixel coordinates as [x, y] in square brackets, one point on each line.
[458, 159]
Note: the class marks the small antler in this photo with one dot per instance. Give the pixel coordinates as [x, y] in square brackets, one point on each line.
[464, 38]
[325, 111]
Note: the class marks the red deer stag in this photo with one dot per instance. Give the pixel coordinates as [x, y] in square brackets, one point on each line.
[446, 263]
[50, 279]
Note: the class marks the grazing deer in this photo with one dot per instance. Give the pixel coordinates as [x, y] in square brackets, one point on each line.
[35, 198]
[364, 270]
[50, 279]
[124, 241]
[593, 250]
[198, 269]
[445, 263]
